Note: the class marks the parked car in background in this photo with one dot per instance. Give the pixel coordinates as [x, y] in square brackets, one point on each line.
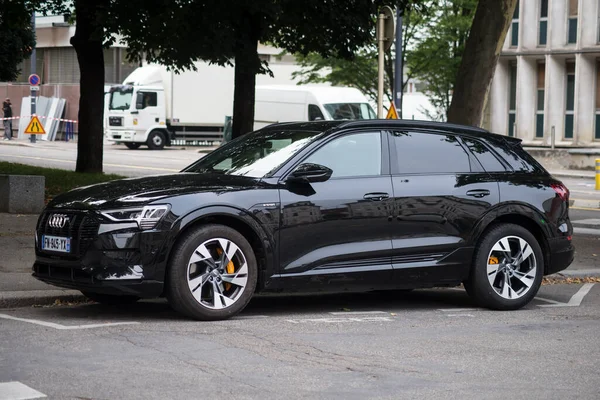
[329, 206]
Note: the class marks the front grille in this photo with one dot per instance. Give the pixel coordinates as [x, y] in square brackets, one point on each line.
[82, 229]
[62, 273]
[115, 121]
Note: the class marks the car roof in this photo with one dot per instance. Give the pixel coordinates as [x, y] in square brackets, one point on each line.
[330, 127]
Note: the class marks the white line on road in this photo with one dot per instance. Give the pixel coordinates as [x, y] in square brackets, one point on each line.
[460, 315]
[340, 320]
[357, 312]
[18, 391]
[576, 299]
[587, 231]
[65, 327]
[456, 309]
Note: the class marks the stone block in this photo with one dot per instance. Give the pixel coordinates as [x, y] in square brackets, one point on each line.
[22, 194]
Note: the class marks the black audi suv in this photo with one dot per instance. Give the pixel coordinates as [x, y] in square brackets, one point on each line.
[319, 206]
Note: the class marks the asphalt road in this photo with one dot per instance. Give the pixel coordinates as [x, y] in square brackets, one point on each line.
[427, 344]
[118, 159]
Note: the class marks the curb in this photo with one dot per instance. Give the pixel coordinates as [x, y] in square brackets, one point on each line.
[576, 273]
[12, 143]
[38, 298]
[584, 203]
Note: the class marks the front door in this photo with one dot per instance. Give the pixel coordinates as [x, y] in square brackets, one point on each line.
[337, 232]
[440, 193]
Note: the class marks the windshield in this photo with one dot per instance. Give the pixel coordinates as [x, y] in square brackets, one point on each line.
[350, 111]
[255, 154]
[120, 98]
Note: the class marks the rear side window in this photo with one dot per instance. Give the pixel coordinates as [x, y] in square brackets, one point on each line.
[487, 159]
[519, 159]
[428, 153]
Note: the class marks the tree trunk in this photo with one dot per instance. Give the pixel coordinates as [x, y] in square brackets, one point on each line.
[490, 25]
[247, 65]
[87, 42]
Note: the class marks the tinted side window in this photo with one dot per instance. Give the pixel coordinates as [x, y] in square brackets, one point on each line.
[519, 159]
[314, 113]
[427, 153]
[356, 154]
[146, 99]
[487, 159]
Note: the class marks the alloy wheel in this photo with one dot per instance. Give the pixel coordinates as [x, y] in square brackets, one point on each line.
[511, 267]
[217, 273]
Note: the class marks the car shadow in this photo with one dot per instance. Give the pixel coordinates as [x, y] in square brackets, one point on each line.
[277, 305]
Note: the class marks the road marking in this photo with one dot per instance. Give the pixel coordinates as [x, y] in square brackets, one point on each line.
[18, 391]
[588, 221]
[357, 312]
[587, 231]
[105, 164]
[340, 320]
[65, 327]
[575, 300]
[548, 300]
[460, 315]
[584, 208]
[250, 317]
[456, 309]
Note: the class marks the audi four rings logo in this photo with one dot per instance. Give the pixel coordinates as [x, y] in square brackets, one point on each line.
[58, 220]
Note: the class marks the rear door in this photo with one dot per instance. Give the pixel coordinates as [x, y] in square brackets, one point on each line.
[440, 193]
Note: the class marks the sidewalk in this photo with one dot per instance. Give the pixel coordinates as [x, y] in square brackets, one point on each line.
[19, 289]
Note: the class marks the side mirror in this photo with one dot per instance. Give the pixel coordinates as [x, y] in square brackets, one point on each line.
[310, 173]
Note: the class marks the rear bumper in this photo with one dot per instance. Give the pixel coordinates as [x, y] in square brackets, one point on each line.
[562, 253]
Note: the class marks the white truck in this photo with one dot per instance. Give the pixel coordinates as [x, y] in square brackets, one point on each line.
[154, 106]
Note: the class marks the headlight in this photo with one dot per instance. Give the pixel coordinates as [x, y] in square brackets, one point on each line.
[146, 217]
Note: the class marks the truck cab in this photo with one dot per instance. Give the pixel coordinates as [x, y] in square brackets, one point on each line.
[136, 116]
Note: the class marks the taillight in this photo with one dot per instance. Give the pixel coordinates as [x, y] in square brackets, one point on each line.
[561, 190]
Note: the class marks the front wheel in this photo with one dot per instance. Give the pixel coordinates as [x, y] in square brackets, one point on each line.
[212, 274]
[156, 140]
[507, 270]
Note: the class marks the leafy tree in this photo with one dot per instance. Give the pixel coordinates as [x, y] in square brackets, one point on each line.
[17, 37]
[361, 71]
[230, 33]
[478, 64]
[437, 57]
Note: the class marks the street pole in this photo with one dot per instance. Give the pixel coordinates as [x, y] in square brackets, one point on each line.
[399, 71]
[380, 41]
[33, 71]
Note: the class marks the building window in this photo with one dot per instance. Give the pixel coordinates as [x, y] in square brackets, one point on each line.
[570, 109]
[514, 33]
[597, 133]
[25, 67]
[539, 116]
[572, 23]
[62, 65]
[512, 107]
[543, 34]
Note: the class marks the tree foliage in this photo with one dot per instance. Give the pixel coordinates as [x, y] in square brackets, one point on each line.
[230, 32]
[17, 39]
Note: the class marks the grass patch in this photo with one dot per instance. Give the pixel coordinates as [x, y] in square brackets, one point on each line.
[57, 180]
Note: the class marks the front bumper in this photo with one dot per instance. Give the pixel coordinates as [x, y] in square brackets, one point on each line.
[112, 259]
[124, 136]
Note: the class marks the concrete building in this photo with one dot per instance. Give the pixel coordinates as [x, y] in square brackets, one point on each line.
[548, 75]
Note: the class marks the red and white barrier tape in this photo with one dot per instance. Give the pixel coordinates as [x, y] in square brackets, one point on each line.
[42, 117]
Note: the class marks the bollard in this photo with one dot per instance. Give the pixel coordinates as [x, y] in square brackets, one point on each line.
[597, 173]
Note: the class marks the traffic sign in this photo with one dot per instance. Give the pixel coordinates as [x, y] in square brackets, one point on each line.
[35, 127]
[392, 113]
[389, 32]
[34, 79]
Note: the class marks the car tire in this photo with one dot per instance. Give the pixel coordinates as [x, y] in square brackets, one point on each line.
[212, 273]
[110, 300]
[132, 145]
[156, 140]
[499, 278]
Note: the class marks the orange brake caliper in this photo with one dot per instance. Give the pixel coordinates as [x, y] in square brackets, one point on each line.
[230, 268]
[493, 260]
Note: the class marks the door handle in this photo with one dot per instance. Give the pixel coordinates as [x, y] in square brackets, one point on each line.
[376, 196]
[478, 193]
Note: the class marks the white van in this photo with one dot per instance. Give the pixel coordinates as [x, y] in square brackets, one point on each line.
[287, 103]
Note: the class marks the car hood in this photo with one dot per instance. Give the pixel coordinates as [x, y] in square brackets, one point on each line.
[136, 191]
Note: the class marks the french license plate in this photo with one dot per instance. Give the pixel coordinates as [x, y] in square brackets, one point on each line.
[56, 243]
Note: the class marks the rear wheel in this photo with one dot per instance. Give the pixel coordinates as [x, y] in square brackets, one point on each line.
[110, 300]
[132, 145]
[212, 274]
[156, 140]
[507, 270]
